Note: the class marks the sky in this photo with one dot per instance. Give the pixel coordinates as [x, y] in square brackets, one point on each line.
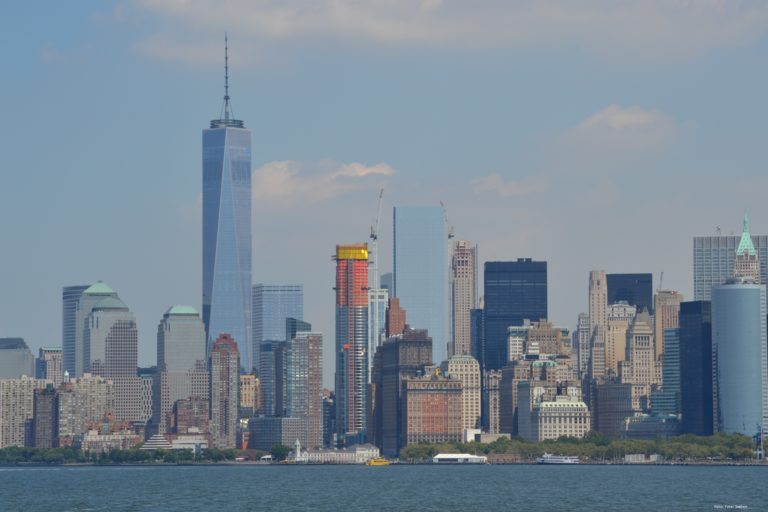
[593, 135]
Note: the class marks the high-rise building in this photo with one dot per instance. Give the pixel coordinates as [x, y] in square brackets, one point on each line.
[581, 343]
[746, 264]
[224, 367]
[387, 282]
[111, 343]
[82, 401]
[696, 367]
[666, 313]
[400, 356]
[514, 291]
[395, 318]
[272, 305]
[432, 409]
[740, 358]
[83, 307]
[666, 401]
[492, 407]
[17, 399]
[466, 369]
[640, 366]
[250, 394]
[70, 297]
[266, 372]
[713, 261]
[544, 418]
[420, 270]
[612, 406]
[45, 424]
[378, 299]
[634, 289]
[351, 342]
[227, 228]
[49, 365]
[598, 323]
[16, 359]
[463, 295]
[619, 317]
[181, 363]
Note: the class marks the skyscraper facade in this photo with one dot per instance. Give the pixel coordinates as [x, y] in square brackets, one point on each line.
[301, 392]
[181, 363]
[634, 289]
[420, 271]
[463, 295]
[16, 359]
[351, 342]
[696, 367]
[514, 291]
[88, 299]
[740, 356]
[272, 305]
[70, 297]
[598, 323]
[49, 365]
[224, 366]
[378, 298]
[666, 313]
[227, 229]
[667, 400]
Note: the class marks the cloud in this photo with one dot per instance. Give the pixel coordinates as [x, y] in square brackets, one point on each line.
[657, 29]
[617, 130]
[496, 184]
[288, 181]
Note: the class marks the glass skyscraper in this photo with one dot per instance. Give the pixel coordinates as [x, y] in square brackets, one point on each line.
[514, 291]
[696, 367]
[634, 289]
[227, 230]
[273, 304]
[713, 261]
[421, 271]
[70, 298]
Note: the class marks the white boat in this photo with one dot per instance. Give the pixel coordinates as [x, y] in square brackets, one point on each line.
[548, 458]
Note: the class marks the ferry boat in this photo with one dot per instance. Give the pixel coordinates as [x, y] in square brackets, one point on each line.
[548, 458]
[377, 461]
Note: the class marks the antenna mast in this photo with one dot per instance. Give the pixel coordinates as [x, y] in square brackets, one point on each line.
[226, 77]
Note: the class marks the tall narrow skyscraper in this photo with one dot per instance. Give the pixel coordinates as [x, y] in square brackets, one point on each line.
[70, 297]
[227, 228]
[224, 364]
[463, 295]
[420, 271]
[351, 342]
[634, 289]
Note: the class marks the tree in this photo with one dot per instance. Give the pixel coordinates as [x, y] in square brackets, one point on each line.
[280, 452]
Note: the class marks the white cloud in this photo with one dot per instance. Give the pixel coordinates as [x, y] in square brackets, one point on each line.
[634, 28]
[288, 181]
[617, 130]
[496, 184]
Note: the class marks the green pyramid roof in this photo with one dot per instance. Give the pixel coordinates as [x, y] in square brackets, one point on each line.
[745, 244]
[110, 303]
[99, 288]
[181, 310]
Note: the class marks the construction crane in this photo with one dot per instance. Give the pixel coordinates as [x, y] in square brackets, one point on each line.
[374, 329]
[445, 216]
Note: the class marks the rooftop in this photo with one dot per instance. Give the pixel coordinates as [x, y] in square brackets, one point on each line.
[110, 303]
[745, 244]
[12, 343]
[182, 310]
[99, 288]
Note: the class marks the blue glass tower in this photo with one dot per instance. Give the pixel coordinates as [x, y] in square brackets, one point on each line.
[421, 271]
[227, 229]
[273, 304]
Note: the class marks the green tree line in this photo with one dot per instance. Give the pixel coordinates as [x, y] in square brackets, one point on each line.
[69, 455]
[598, 448]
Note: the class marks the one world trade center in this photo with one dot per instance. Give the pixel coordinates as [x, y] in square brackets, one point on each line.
[227, 228]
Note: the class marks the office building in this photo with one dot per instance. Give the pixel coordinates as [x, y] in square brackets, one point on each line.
[266, 372]
[612, 406]
[378, 298]
[70, 298]
[17, 400]
[16, 360]
[224, 365]
[619, 317]
[420, 271]
[351, 342]
[400, 357]
[634, 289]
[514, 291]
[91, 296]
[463, 295]
[714, 262]
[476, 335]
[395, 318]
[250, 394]
[48, 365]
[543, 418]
[580, 342]
[269, 431]
[466, 369]
[667, 312]
[696, 368]
[45, 424]
[432, 409]
[640, 367]
[491, 405]
[739, 347]
[272, 305]
[746, 265]
[598, 324]
[227, 229]
[181, 363]
[666, 401]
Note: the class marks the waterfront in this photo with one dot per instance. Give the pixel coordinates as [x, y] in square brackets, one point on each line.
[420, 487]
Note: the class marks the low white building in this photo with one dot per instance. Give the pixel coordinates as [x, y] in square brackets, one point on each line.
[357, 454]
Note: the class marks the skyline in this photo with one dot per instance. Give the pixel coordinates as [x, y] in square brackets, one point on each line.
[511, 143]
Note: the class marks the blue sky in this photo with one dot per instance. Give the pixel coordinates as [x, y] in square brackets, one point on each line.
[603, 135]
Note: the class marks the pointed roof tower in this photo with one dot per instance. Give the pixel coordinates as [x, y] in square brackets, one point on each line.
[745, 244]
[227, 118]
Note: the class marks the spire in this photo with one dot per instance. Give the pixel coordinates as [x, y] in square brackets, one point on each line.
[745, 244]
[226, 78]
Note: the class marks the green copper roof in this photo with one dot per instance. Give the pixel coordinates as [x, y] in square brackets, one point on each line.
[110, 303]
[181, 310]
[99, 288]
[745, 244]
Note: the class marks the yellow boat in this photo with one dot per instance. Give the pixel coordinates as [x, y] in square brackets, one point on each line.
[378, 461]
